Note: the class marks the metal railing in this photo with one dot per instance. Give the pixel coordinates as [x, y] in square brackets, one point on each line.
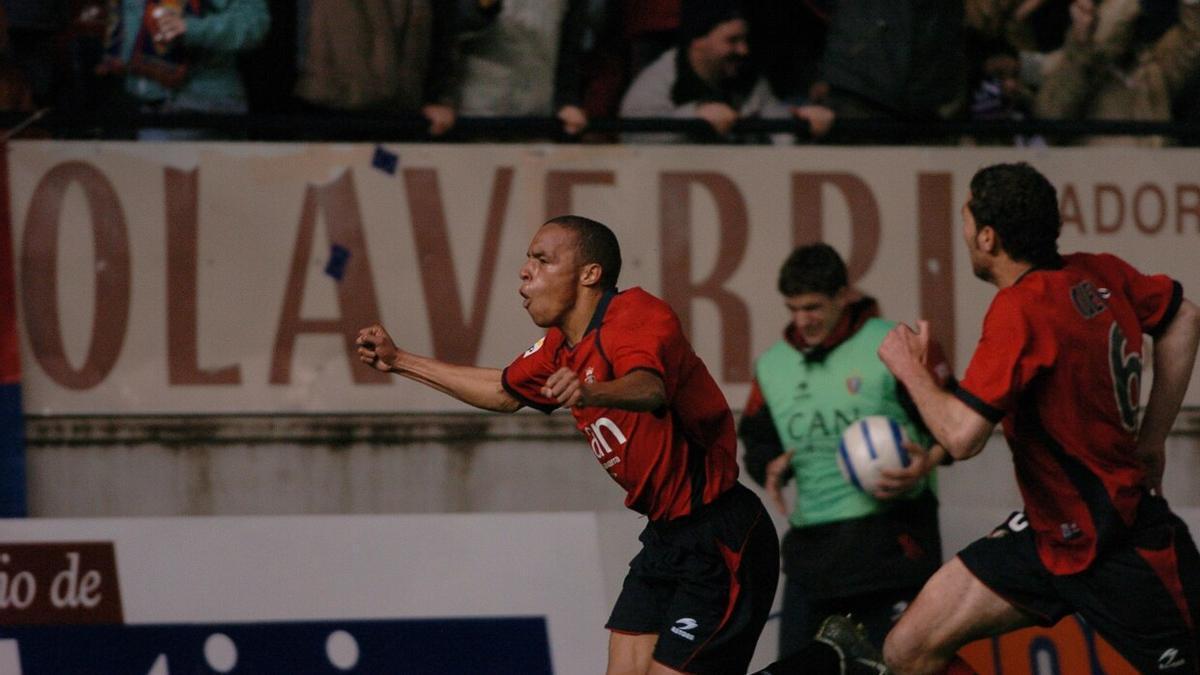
[393, 128]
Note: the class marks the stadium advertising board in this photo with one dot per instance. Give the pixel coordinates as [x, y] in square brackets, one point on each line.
[185, 278]
[302, 595]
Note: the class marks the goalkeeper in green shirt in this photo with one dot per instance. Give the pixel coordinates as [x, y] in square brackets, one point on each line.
[846, 551]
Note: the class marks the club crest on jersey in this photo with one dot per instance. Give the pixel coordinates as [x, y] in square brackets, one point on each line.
[536, 346]
[853, 384]
[589, 375]
[1070, 530]
[1088, 300]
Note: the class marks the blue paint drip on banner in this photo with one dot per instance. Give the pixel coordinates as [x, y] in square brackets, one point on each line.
[466, 645]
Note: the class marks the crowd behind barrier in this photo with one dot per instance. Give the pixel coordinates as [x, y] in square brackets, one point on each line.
[996, 72]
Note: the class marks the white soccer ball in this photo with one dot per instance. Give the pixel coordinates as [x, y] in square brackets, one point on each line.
[869, 446]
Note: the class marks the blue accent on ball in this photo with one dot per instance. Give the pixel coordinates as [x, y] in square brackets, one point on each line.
[866, 432]
[849, 466]
[905, 460]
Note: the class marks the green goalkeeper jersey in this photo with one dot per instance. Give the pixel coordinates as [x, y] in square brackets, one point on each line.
[811, 403]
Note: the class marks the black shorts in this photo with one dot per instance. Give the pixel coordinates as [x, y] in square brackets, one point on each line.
[705, 584]
[1141, 595]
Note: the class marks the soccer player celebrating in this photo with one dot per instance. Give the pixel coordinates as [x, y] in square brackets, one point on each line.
[697, 595]
[1059, 362]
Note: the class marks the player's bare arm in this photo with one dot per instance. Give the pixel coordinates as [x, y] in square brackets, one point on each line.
[959, 429]
[1174, 357]
[480, 387]
[639, 391]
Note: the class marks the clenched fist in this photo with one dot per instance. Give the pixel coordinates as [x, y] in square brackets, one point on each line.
[376, 349]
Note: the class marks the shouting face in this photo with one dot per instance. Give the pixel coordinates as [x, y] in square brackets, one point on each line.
[550, 275]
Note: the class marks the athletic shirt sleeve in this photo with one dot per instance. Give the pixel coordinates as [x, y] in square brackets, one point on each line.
[1006, 360]
[642, 340]
[1155, 298]
[524, 377]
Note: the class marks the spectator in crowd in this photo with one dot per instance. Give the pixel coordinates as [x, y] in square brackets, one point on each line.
[33, 28]
[1124, 60]
[895, 59]
[269, 70]
[846, 551]
[630, 36]
[1032, 29]
[15, 94]
[708, 77]
[787, 39]
[381, 56]
[1028, 25]
[650, 28]
[181, 56]
[525, 61]
[997, 91]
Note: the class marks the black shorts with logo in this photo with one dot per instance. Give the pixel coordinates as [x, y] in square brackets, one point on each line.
[1142, 595]
[705, 584]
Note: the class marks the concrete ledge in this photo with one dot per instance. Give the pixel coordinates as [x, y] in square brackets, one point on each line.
[301, 429]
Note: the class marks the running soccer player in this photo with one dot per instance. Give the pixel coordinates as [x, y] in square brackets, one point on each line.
[697, 595]
[1059, 362]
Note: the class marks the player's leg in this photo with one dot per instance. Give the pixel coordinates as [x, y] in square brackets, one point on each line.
[1144, 599]
[728, 573]
[995, 585]
[794, 624]
[630, 654]
[877, 612]
[634, 655]
[953, 608]
[640, 611]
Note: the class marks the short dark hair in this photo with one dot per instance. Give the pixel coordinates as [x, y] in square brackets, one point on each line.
[597, 244]
[1021, 205]
[815, 268]
[698, 18]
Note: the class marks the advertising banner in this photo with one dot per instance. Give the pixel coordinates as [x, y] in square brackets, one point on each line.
[222, 278]
[302, 595]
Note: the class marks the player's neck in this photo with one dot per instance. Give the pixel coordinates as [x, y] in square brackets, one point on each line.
[1007, 272]
[580, 317]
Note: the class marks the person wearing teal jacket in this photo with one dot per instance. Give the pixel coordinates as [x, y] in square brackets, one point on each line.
[181, 55]
[846, 551]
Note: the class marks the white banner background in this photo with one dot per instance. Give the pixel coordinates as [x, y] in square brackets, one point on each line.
[249, 203]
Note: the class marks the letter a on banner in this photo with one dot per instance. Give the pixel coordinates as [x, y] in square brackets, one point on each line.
[12, 423]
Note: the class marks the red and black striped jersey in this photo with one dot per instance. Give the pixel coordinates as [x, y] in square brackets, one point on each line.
[1060, 362]
[669, 461]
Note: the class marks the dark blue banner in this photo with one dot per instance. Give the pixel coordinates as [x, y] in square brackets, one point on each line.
[12, 452]
[12, 422]
[434, 646]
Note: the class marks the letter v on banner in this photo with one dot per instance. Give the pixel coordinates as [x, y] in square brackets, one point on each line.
[456, 334]
[12, 423]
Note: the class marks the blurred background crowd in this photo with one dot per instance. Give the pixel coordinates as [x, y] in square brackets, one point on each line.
[573, 63]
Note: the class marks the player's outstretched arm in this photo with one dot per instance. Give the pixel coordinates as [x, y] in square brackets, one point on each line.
[479, 387]
[640, 391]
[1174, 357]
[959, 429]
